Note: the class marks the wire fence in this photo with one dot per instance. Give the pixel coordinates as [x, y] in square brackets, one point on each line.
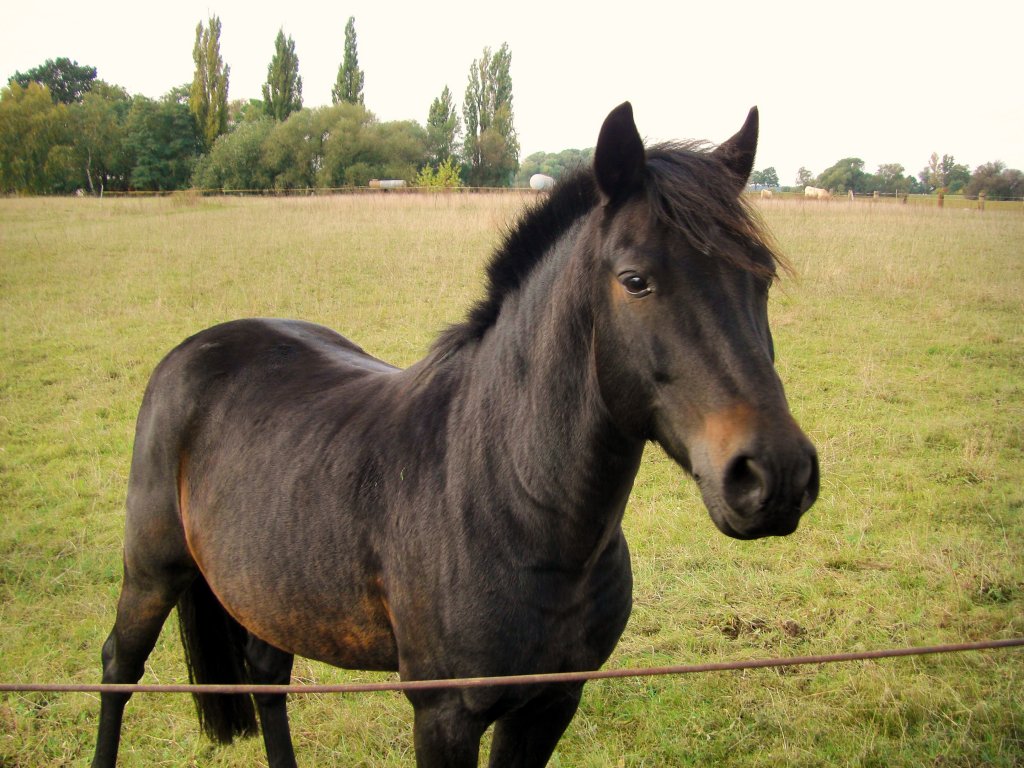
[532, 679]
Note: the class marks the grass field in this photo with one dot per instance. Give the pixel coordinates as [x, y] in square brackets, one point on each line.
[900, 340]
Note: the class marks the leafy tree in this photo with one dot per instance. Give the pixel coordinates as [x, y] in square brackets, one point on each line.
[358, 148]
[32, 127]
[349, 86]
[236, 162]
[443, 129]
[293, 153]
[945, 174]
[890, 178]
[996, 181]
[769, 177]
[445, 176]
[804, 177]
[491, 146]
[282, 93]
[208, 97]
[98, 124]
[845, 176]
[67, 81]
[244, 111]
[164, 143]
[351, 152]
[179, 94]
[399, 151]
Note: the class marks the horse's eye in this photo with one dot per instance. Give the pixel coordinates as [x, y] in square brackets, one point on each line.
[635, 284]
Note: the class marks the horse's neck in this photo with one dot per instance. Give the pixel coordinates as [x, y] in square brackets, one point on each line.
[532, 382]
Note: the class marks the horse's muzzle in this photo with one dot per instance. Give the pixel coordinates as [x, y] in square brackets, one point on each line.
[765, 493]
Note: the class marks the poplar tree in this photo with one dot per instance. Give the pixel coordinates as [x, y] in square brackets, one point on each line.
[443, 128]
[349, 86]
[491, 146]
[208, 98]
[282, 93]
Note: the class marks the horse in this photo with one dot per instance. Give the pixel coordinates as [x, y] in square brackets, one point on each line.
[817, 193]
[293, 495]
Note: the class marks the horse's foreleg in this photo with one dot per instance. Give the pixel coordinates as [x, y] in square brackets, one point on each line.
[270, 666]
[141, 614]
[527, 737]
[446, 734]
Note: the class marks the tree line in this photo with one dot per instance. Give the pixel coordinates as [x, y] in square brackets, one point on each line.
[941, 173]
[993, 179]
[63, 130]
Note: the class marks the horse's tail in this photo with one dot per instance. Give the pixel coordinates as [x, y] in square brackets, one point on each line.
[215, 654]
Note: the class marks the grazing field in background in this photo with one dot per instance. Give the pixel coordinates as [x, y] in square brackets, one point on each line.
[901, 343]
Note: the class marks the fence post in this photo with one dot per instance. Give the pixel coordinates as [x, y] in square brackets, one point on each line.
[942, 195]
[981, 200]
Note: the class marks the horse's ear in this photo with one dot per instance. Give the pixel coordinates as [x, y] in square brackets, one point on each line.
[619, 157]
[738, 152]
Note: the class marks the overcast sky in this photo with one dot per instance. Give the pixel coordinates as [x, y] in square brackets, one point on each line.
[884, 81]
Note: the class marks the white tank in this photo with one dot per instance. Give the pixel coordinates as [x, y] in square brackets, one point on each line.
[541, 181]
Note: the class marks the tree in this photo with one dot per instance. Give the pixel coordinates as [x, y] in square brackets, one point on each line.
[293, 153]
[164, 143]
[235, 162]
[944, 174]
[244, 111]
[33, 130]
[68, 81]
[996, 181]
[358, 148]
[349, 86]
[769, 177]
[890, 178]
[208, 97]
[443, 129]
[98, 124]
[491, 147]
[804, 177]
[282, 93]
[845, 176]
[446, 176]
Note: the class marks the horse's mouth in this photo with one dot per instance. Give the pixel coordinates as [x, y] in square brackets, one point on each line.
[767, 522]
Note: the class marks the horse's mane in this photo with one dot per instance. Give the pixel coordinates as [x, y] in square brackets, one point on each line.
[687, 189]
[522, 248]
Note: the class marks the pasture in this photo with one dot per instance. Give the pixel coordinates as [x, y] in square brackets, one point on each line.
[900, 339]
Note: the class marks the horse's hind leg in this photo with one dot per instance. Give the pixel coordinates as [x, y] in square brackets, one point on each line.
[141, 612]
[157, 569]
[270, 666]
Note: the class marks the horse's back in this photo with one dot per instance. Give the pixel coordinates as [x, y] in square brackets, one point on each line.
[265, 365]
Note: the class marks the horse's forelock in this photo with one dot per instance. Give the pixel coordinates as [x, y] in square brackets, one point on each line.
[690, 191]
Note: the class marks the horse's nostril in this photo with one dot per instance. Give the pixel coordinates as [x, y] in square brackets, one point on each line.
[745, 485]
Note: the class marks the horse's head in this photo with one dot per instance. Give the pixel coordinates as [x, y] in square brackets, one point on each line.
[684, 353]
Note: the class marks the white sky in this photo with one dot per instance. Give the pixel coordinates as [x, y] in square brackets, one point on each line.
[888, 81]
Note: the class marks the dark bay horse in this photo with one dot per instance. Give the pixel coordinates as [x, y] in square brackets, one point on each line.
[293, 495]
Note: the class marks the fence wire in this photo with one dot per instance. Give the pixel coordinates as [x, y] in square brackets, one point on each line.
[532, 679]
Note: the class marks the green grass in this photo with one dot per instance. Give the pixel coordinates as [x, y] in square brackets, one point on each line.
[901, 342]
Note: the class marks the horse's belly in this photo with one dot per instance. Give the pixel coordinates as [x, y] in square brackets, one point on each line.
[350, 630]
